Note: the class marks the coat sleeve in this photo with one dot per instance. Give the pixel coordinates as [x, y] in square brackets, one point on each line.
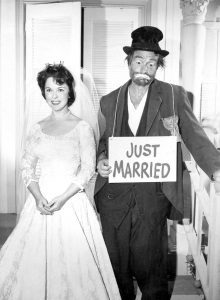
[195, 138]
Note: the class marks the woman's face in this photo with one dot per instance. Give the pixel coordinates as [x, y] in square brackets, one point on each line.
[56, 95]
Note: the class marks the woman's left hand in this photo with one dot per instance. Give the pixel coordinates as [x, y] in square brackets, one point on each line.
[56, 204]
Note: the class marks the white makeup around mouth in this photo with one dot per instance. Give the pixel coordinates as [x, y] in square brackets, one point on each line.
[142, 76]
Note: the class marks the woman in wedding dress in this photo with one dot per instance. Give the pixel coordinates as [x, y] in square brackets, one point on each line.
[56, 251]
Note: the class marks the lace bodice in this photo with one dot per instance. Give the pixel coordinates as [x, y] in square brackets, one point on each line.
[69, 155]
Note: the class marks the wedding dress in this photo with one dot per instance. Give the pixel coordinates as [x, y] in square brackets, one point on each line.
[60, 256]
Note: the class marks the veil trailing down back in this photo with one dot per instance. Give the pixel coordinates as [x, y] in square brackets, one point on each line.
[86, 107]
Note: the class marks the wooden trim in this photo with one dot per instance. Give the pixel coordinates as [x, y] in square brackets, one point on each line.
[95, 2]
[20, 191]
[144, 5]
[212, 25]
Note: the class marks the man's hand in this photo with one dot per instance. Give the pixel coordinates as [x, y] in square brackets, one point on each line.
[103, 167]
[216, 176]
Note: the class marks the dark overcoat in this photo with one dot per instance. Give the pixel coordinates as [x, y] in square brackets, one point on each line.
[167, 104]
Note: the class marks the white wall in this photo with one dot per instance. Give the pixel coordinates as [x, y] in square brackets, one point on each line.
[213, 11]
[166, 15]
[7, 104]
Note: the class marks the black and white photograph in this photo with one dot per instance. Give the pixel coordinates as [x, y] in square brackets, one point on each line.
[110, 150]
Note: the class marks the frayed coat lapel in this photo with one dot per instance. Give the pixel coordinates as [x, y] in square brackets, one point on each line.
[155, 102]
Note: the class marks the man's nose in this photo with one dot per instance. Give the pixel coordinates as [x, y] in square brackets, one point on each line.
[144, 68]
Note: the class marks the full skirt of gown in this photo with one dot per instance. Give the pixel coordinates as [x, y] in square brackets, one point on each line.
[57, 257]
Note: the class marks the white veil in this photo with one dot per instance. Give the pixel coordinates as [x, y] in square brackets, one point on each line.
[85, 106]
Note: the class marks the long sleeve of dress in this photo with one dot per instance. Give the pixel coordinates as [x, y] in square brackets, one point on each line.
[29, 159]
[87, 149]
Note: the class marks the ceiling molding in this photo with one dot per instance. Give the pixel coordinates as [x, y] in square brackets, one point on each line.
[95, 2]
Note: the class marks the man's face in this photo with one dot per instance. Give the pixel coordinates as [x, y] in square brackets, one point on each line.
[143, 67]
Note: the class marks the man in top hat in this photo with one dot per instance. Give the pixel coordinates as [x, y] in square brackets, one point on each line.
[134, 215]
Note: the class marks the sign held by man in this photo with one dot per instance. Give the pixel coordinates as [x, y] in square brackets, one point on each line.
[142, 159]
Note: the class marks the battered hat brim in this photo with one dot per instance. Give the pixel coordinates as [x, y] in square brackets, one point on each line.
[128, 50]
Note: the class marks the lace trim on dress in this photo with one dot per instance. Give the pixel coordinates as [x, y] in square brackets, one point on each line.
[87, 150]
[87, 153]
[29, 159]
[67, 135]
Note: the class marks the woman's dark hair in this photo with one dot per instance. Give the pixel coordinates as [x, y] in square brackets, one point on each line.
[160, 62]
[61, 75]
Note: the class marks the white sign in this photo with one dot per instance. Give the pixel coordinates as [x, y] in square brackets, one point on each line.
[142, 159]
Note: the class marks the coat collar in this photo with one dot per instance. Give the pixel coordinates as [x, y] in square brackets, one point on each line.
[121, 98]
[155, 101]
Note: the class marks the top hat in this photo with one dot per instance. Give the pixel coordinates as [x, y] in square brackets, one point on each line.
[146, 38]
